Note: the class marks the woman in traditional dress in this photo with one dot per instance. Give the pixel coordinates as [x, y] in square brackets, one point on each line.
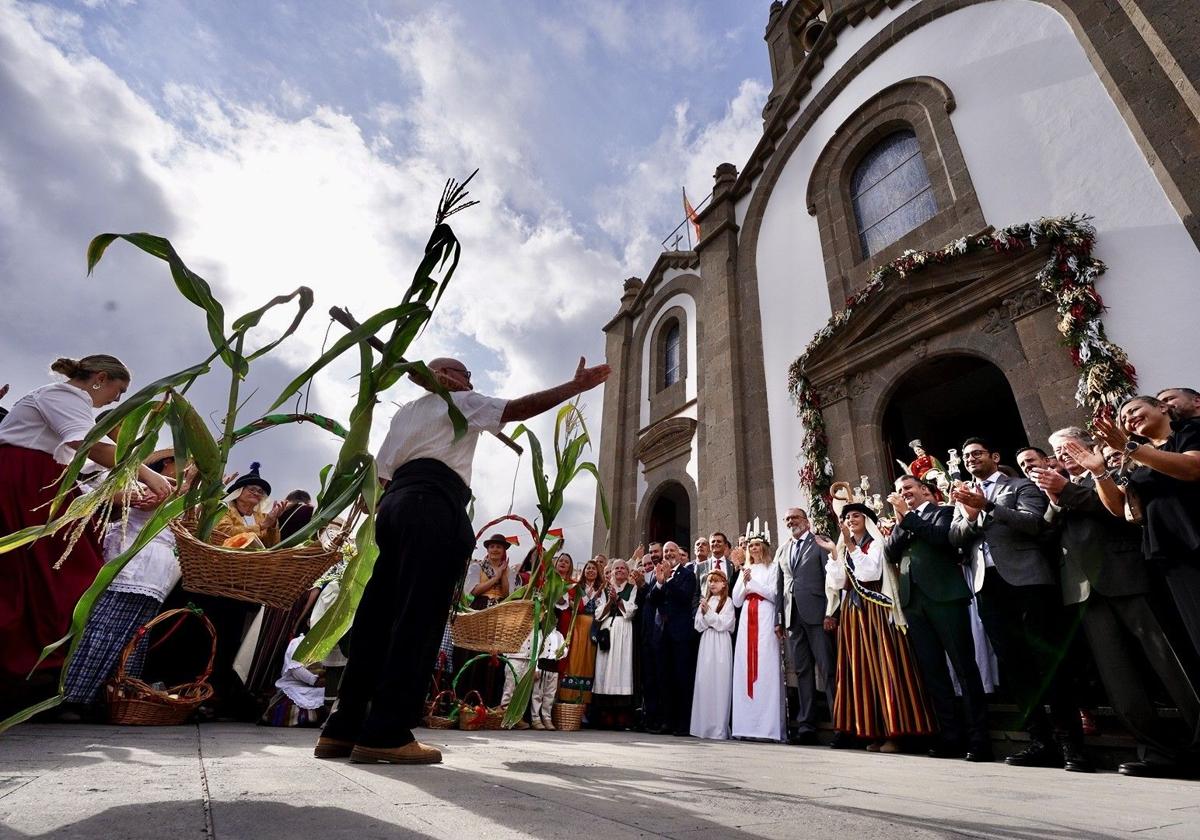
[43, 580]
[243, 514]
[612, 695]
[493, 585]
[879, 696]
[133, 598]
[714, 667]
[579, 668]
[758, 709]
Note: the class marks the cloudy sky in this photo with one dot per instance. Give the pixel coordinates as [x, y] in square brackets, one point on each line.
[286, 144]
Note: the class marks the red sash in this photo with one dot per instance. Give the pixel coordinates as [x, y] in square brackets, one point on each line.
[752, 641]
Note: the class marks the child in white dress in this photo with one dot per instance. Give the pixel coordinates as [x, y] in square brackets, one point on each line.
[714, 667]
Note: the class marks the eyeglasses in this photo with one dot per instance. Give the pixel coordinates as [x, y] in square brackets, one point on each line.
[466, 373]
[975, 453]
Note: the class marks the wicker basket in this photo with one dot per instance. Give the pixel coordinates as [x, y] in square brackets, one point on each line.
[275, 577]
[442, 701]
[133, 702]
[469, 717]
[568, 716]
[499, 629]
[504, 627]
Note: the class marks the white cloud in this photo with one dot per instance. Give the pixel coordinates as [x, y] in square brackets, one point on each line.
[260, 202]
[684, 155]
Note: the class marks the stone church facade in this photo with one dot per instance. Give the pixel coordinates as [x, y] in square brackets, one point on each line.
[895, 125]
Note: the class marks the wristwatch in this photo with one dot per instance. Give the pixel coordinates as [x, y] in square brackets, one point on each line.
[1131, 447]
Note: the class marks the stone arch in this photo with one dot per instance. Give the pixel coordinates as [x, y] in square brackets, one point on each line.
[667, 479]
[667, 399]
[686, 284]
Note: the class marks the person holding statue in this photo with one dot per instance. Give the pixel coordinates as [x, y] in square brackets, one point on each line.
[425, 541]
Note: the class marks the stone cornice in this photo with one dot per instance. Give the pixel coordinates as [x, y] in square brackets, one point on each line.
[665, 440]
[666, 260]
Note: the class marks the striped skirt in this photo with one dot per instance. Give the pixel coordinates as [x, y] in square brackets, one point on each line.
[879, 691]
[116, 617]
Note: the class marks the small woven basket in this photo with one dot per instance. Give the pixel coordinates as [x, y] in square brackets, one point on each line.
[437, 711]
[133, 702]
[475, 716]
[275, 577]
[568, 716]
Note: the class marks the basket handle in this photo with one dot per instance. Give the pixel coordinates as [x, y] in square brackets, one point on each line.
[465, 700]
[437, 698]
[474, 659]
[142, 631]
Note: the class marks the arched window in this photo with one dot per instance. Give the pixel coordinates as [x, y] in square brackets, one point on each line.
[672, 365]
[890, 191]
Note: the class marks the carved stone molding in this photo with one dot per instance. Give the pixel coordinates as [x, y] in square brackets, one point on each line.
[994, 322]
[920, 348]
[831, 392]
[858, 385]
[665, 440]
[1025, 301]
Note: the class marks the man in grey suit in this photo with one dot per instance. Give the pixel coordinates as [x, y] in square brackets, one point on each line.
[1104, 573]
[802, 626]
[1000, 526]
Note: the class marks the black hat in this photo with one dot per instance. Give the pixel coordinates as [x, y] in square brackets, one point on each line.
[496, 538]
[250, 479]
[857, 507]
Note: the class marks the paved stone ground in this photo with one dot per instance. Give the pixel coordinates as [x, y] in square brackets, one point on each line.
[238, 781]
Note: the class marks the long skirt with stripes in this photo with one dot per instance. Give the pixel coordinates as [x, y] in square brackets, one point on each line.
[116, 617]
[879, 691]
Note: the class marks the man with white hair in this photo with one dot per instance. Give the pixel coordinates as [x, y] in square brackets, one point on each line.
[425, 540]
[674, 588]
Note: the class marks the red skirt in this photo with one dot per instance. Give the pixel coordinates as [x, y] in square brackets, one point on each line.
[36, 600]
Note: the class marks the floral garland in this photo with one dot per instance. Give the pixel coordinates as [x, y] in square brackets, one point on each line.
[1070, 272]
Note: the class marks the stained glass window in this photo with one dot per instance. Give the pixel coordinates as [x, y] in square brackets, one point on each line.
[890, 191]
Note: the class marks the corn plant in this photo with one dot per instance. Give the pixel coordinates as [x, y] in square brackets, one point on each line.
[142, 416]
[570, 440]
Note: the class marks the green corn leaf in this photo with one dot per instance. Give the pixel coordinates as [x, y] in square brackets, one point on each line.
[191, 285]
[588, 466]
[336, 621]
[272, 420]
[251, 319]
[539, 467]
[25, 714]
[130, 429]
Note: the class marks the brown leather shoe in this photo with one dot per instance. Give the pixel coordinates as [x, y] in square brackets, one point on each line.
[413, 752]
[332, 748]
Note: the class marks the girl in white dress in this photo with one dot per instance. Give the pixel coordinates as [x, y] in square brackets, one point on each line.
[714, 667]
[757, 675]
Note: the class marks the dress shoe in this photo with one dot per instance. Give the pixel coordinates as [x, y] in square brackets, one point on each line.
[1036, 754]
[979, 756]
[1074, 760]
[803, 739]
[841, 741]
[1155, 770]
[946, 751]
[332, 748]
[413, 752]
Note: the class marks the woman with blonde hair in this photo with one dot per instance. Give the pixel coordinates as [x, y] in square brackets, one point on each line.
[758, 699]
[43, 580]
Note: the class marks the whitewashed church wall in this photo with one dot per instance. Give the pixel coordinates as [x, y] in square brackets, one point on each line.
[688, 304]
[1040, 136]
[692, 468]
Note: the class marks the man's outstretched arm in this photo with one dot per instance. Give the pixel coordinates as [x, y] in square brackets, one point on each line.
[531, 405]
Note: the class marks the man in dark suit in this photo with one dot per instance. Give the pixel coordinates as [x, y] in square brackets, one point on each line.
[1104, 572]
[649, 639]
[1000, 526]
[936, 599]
[801, 610]
[672, 595]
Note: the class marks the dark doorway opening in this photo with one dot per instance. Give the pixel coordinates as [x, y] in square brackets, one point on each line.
[671, 516]
[946, 400]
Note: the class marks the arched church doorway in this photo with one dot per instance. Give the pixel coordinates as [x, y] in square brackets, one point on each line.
[947, 399]
[671, 516]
